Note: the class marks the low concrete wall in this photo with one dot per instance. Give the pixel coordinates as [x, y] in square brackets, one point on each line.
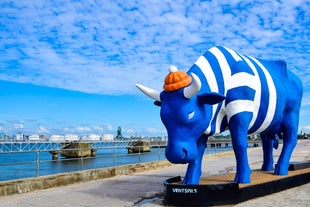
[62, 179]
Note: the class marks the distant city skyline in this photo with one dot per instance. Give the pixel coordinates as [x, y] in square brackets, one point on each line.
[70, 66]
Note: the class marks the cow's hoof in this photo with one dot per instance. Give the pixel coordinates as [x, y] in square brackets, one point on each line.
[190, 181]
[267, 167]
[280, 170]
[243, 179]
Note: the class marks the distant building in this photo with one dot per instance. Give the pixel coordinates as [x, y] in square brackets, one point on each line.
[108, 137]
[57, 138]
[4, 137]
[19, 137]
[34, 137]
[119, 133]
[43, 137]
[94, 137]
[72, 137]
[91, 137]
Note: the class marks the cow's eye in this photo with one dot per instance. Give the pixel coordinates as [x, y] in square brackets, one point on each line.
[191, 115]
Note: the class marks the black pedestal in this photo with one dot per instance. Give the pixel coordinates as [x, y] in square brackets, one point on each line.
[177, 194]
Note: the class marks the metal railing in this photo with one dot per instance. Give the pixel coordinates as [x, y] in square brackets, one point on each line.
[21, 146]
[30, 146]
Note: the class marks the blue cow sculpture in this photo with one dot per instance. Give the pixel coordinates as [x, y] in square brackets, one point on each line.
[226, 90]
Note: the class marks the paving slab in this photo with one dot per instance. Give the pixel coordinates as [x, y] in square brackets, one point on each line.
[146, 188]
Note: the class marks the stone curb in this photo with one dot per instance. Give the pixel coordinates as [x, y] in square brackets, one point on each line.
[63, 179]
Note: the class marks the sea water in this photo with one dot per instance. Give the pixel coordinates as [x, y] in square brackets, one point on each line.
[32, 164]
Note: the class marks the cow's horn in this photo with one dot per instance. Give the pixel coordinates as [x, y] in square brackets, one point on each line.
[191, 90]
[153, 94]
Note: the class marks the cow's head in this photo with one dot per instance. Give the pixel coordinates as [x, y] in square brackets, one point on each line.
[184, 112]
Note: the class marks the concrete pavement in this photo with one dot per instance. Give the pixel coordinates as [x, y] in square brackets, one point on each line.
[146, 189]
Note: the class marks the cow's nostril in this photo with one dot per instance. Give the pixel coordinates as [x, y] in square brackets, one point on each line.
[184, 153]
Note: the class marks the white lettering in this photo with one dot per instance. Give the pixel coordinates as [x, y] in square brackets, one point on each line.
[184, 190]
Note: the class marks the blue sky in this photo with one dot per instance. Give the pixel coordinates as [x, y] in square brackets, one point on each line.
[70, 66]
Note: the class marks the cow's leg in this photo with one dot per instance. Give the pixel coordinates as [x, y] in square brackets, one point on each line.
[289, 143]
[193, 172]
[267, 143]
[238, 126]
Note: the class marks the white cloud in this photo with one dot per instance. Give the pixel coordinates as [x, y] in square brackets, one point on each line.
[18, 126]
[156, 131]
[104, 128]
[83, 129]
[108, 127]
[106, 46]
[96, 129]
[129, 131]
[42, 130]
[78, 129]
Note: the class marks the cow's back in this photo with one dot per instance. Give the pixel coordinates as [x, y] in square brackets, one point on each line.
[249, 84]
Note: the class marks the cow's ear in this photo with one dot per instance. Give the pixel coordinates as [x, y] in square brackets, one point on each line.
[211, 98]
[157, 103]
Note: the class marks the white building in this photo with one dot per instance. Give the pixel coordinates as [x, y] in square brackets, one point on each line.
[108, 137]
[57, 138]
[19, 137]
[72, 137]
[34, 137]
[94, 137]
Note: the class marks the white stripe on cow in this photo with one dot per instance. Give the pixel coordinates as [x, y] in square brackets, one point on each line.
[243, 105]
[272, 98]
[258, 90]
[238, 106]
[233, 54]
[206, 69]
[226, 71]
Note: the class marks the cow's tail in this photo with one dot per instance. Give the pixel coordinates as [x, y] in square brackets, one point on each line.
[276, 140]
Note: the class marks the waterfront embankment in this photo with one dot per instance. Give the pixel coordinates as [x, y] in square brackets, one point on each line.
[62, 179]
[136, 188]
